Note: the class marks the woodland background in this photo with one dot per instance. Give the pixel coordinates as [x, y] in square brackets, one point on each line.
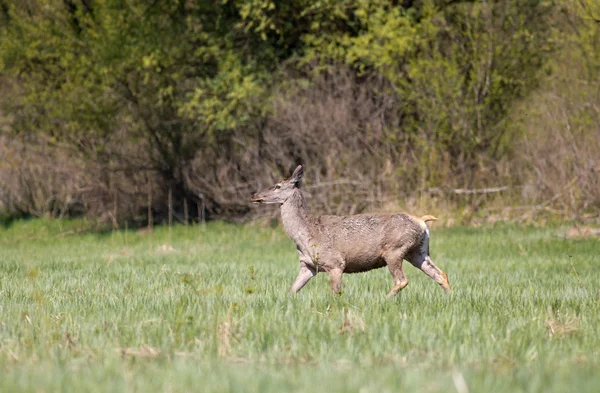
[141, 112]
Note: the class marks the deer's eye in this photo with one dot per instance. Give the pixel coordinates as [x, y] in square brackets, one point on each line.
[277, 186]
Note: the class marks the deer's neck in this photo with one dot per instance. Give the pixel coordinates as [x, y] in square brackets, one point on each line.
[294, 214]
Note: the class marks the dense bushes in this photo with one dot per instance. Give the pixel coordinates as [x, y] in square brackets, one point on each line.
[120, 108]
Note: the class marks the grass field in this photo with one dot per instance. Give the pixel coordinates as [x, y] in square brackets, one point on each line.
[205, 309]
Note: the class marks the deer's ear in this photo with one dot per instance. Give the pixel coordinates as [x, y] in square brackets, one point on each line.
[297, 175]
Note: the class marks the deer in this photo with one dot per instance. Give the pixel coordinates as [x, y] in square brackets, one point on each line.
[350, 244]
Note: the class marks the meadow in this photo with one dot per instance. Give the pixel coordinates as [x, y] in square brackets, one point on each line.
[205, 309]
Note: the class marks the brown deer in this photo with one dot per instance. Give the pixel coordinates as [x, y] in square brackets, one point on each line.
[351, 244]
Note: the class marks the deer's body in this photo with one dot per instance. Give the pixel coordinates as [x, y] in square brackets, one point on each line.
[351, 244]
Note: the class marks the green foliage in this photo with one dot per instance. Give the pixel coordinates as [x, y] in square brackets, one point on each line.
[470, 61]
[206, 306]
[158, 69]
[584, 19]
[200, 68]
[204, 66]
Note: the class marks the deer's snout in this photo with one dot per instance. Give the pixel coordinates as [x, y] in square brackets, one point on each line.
[256, 199]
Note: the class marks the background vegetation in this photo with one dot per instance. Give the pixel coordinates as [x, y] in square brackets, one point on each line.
[204, 308]
[167, 110]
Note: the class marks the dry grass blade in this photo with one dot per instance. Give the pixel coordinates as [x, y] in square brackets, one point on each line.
[70, 341]
[145, 351]
[581, 232]
[225, 333]
[353, 323]
[560, 327]
[224, 343]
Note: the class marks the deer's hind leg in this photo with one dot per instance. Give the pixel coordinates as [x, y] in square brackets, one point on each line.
[393, 259]
[423, 262]
[419, 257]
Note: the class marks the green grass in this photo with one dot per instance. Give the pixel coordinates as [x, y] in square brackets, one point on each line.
[205, 309]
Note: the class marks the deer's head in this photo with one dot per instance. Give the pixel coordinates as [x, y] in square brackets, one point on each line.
[281, 191]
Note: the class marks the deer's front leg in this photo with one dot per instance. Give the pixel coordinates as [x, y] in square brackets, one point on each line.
[304, 275]
[335, 277]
